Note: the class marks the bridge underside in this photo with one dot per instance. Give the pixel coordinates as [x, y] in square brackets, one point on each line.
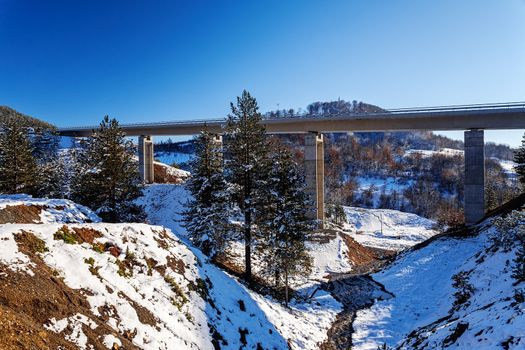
[314, 172]
[474, 118]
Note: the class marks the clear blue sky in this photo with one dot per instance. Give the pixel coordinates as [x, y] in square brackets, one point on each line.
[72, 62]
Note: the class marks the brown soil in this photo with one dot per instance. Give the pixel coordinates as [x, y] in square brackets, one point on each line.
[20, 214]
[365, 259]
[176, 265]
[144, 315]
[86, 234]
[27, 303]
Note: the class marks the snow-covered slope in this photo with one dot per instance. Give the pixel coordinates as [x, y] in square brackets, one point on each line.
[174, 157]
[140, 281]
[43, 210]
[168, 174]
[145, 287]
[387, 229]
[304, 324]
[164, 204]
[424, 313]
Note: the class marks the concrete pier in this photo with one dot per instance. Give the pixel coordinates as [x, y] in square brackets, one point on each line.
[146, 168]
[314, 172]
[217, 138]
[474, 176]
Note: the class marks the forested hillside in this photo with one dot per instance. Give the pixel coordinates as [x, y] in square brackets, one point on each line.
[9, 115]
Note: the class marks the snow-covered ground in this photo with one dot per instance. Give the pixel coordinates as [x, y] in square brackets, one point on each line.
[304, 324]
[387, 229]
[450, 152]
[329, 258]
[164, 204]
[151, 268]
[421, 282]
[508, 167]
[173, 157]
[52, 210]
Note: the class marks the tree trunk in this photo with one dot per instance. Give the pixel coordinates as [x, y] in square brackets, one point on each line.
[247, 245]
[286, 286]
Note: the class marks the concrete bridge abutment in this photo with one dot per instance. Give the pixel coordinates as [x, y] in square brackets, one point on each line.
[474, 176]
[314, 174]
[146, 158]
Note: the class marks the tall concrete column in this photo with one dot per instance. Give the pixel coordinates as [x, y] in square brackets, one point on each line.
[314, 172]
[146, 168]
[474, 176]
[217, 138]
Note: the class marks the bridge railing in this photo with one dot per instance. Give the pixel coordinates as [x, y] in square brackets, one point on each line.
[412, 110]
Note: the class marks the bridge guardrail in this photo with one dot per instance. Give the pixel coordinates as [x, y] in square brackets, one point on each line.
[412, 110]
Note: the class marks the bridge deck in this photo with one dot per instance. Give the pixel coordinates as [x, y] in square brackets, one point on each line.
[494, 116]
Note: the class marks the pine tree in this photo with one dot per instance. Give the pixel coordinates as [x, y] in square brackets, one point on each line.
[519, 158]
[246, 151]
[106, 176]
[51, 178]
[285, 223]
[18, 167]
[207, 218]
[518, 270]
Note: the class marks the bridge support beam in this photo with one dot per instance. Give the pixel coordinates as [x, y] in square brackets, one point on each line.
[146, 168]
[474, 176]
[217, 138]
[314, 173]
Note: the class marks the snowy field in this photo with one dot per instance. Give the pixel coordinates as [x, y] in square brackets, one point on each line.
[387, 229]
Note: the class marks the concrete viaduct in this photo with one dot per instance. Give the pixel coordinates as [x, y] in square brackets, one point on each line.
[472, 119]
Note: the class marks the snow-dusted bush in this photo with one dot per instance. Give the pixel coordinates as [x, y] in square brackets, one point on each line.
[464, 289]
[510, 229]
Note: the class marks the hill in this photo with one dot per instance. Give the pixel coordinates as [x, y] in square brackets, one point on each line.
[453, 292]
[75, 285]
[8, 114]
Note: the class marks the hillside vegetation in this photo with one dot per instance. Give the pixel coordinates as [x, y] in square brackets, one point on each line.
[8, 115]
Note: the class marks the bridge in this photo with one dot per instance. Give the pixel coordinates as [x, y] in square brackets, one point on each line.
[472, 119]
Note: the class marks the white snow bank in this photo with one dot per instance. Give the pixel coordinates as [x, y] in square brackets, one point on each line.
[53, 210]
[387, 229]
[329, 258]
[449, 152]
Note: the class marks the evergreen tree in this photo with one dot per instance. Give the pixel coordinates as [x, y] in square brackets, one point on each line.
[51, 181]
[208, 213]
[18, 168]
[518, 270]
[106, 176]
[519, 158]
[246, 151]
[285, 221]
[51, 178]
